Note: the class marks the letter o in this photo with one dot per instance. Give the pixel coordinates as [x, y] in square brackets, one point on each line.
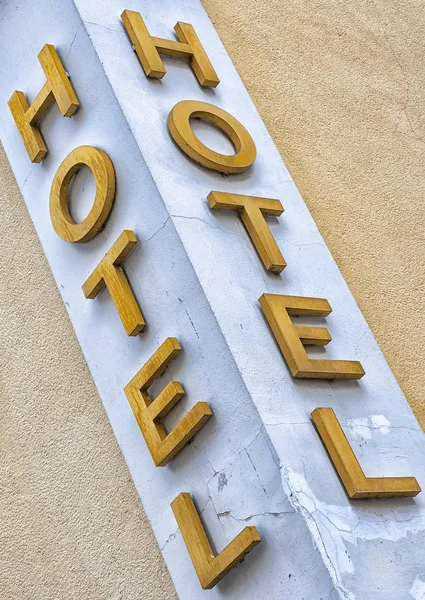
[181, 131]
[104, 175]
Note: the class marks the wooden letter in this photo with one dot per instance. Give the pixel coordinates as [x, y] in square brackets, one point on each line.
[149, 48]
[109, 274]
[292, 338]
[148, 412]
[181, 131]
[103, 171]
[348, 468]
[252, 211]
[57, 87]
[209, 568]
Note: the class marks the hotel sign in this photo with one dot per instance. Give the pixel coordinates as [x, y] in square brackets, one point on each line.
[219, 325]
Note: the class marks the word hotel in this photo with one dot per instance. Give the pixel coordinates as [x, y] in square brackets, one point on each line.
[278, 309]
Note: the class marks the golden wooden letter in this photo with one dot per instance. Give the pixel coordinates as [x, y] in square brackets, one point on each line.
[149, 48]
[181, 131]
[163, 446]
[209, 568]
[103, 171]
[57, 88]
[109, 274]
[252, 211]
[348, 468]
[292, 338]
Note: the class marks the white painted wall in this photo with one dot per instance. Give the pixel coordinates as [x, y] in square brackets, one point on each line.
[197, 277]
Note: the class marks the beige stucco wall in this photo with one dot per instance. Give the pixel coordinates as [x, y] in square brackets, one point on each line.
[72, 526]
[340, 87]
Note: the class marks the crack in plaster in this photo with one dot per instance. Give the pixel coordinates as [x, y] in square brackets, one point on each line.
[5, 14]
[345, 525]
[315, 532]
[228, 465]
[225, 231]
[191, 322]
[256, 472]
[101, 26]
[229, 460]
[210, 463]
[73, 40]
[311, 244]
[157, 231]
[189, 218]
[27, 177]
[349, 425]
[228, 513]
[170, 538]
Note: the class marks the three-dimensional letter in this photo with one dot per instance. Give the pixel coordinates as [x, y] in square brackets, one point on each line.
[149, 48]
[182, 133]
[109, 274]
[209, 568]
[292, 338]
[103, 171]
[57, 87]
[348, 468]
[252, 211]
[163, 446]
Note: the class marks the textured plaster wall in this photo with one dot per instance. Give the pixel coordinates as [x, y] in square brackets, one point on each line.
[340, 87]
[72, 526]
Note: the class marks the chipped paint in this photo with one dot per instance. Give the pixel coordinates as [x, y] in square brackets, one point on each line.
[418, 589]
[381, 423]
[360, 427]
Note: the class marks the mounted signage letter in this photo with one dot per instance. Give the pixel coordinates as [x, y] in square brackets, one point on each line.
[148, 412]
[182, 133]
[57, 87]
[292, 338]
[103, 171]
[109, 274]
[345, 462]
[209, 568]
[149, 48]
[252, 211]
